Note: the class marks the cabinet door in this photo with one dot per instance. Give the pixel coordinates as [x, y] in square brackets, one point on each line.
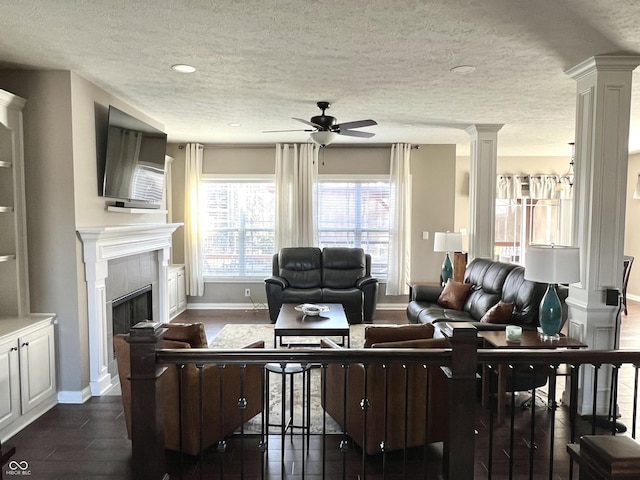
[9, 382]
[182, 291]
[172, 287]
[37, 367]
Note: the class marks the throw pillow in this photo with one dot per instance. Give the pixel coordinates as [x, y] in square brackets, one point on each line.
[499, 313]
[454, 295]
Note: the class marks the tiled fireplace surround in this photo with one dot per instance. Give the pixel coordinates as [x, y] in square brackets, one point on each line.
[118, 260]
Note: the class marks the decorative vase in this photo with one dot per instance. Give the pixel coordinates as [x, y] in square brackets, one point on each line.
[551, 313]
[447, 269]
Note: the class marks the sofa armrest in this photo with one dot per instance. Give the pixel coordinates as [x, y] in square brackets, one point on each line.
[279, 281]
[363, 281]
[426, 293]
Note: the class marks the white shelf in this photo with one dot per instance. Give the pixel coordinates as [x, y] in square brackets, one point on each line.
[4, 164]
[6, 258]
[6, 209]
[111, 208]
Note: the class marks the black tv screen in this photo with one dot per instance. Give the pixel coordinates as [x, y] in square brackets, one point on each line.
[134, 161]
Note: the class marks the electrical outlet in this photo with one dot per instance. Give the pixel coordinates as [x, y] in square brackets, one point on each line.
[247, 292]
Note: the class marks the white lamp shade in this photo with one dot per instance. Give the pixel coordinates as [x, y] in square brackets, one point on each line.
[323, 137]
[447, 242]
[552, 264]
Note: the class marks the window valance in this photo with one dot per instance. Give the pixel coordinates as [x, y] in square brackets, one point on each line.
[537, 187]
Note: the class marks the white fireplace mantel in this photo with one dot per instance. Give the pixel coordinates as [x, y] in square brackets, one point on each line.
[101, 244]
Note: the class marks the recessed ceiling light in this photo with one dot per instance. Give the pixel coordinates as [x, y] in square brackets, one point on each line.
[183, 68]
[463, 69]
[234, 124]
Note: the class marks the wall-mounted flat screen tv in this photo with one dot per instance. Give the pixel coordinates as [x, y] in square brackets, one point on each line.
[134, 162]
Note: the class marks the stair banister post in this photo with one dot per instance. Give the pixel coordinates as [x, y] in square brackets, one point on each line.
[147, 422]
[459, 454]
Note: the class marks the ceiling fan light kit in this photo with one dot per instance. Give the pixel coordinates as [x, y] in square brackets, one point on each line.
[326, 130]
[323, 138]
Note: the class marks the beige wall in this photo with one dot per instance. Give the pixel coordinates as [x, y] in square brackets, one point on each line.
[64, 117]
[432, 169]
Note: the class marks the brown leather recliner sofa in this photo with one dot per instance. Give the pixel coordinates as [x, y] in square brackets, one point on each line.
[436, 406]
[218, 423]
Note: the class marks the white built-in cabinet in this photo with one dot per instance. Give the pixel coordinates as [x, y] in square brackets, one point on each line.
[27, 340]
[177, 291]
[14, 280]
[27, 371]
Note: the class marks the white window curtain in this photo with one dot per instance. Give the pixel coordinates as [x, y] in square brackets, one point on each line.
[543, 187]
[296, 178]
[509, 187]
[192, 228]
[400, 219]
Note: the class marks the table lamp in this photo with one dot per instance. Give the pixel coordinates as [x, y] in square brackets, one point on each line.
[447, 242]
[552, 264]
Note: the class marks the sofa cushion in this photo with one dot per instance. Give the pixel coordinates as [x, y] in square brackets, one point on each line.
[488, 278]
[395, 333]
[500, 313]
[454, 294]
[525, 296]
[301, 266]
[342, 267]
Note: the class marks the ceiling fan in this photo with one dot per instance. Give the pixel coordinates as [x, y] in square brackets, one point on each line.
[326, 130]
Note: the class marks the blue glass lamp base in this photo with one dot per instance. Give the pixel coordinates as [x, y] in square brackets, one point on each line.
[447, 269]
[551, 314]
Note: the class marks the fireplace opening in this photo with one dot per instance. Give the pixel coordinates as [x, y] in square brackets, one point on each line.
[132, 308]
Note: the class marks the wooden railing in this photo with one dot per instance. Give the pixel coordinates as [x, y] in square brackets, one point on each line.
[460, 362]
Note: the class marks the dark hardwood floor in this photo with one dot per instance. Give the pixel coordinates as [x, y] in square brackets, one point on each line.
[89, 441]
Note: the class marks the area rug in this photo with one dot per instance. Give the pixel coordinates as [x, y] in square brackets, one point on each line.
[237, 336]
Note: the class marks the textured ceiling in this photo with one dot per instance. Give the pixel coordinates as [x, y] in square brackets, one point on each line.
[262, 62]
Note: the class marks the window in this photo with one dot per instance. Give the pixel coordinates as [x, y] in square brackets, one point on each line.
[355, 213]
[521, 222]
[239, 227]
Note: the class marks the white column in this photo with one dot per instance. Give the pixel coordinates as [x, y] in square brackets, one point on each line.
[602, 136]
[164, 255]
[482, 189]
[96, 272]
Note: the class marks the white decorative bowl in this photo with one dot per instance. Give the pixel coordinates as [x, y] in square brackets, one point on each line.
[311, 309]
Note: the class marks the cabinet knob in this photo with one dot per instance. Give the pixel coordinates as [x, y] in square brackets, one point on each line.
[25, 344]
[14, 349]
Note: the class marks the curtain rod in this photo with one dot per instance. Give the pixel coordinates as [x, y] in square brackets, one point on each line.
[181, 146]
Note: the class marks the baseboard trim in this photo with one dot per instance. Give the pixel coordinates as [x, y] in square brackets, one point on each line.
[74, 396]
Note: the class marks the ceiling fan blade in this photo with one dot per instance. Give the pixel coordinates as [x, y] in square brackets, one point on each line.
[356, 124]
[307, 122]
[297, 130]
[355, 133]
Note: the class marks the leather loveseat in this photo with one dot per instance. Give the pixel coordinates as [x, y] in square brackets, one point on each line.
[331, 275]
[219, 421]
[491, 285]
[399, 391]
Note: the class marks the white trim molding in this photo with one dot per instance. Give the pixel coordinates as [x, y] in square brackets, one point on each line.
[101, 244]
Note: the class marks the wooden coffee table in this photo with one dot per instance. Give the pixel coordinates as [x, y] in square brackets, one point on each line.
[291, 323]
